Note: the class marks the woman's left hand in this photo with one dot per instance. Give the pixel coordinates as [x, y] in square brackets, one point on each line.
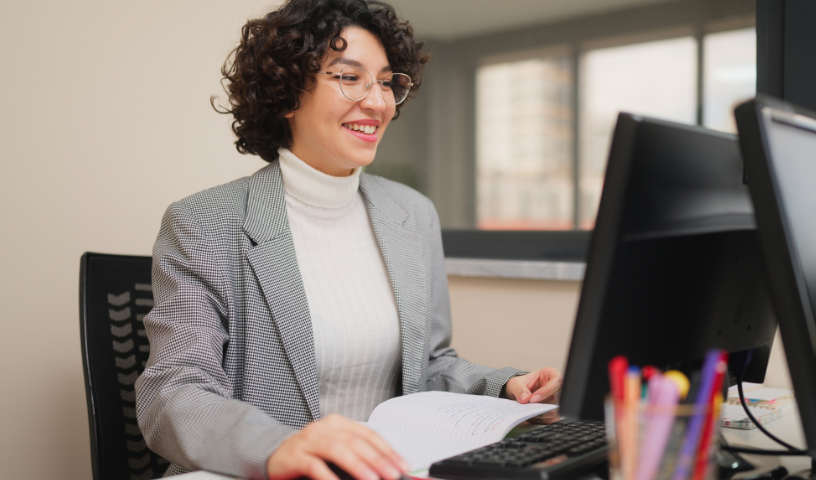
[540, 386]
[543, 386]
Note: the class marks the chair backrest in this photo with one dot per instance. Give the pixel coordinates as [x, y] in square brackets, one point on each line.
[114, 296]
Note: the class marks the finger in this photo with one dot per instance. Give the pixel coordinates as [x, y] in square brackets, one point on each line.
[316, 469]
[533, 380]
[517, 389]
[300, 465]
[382, 446]
[348, 459]
[375, 459]
[546, 374]
[548, 390]
[546, 418]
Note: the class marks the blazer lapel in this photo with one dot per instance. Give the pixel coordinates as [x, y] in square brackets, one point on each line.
[274, 262]
[402, 251]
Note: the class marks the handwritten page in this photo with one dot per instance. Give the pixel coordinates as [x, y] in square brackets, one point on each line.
[472, 418]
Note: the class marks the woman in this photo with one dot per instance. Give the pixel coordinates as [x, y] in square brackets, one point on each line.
[291, 302]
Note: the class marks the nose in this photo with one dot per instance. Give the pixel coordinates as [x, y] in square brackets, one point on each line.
[374, 100]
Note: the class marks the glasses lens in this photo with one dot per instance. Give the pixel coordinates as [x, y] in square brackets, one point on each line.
[395, 88]
[354, 83]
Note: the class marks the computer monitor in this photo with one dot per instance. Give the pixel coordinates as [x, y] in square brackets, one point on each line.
[779, 146]
[674, 266]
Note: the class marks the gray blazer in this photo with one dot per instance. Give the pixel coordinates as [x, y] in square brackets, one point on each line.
[232, 370]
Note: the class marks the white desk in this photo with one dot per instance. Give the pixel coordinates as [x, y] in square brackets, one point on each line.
[787, 428]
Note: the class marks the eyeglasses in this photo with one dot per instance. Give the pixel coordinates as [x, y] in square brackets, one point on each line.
[394, 87]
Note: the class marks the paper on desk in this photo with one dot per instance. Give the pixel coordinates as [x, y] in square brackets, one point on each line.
[420, 450]
[473, 418]
[202, 475]
[763, 397]
[734, 416]
[431, 426]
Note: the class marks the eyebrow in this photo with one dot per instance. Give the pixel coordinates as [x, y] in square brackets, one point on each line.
[355, 63]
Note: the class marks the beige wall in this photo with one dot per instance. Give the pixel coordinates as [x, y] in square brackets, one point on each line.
[105, 119]
[524, 324]
[528, 324]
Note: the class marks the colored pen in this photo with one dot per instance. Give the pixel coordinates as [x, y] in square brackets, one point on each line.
[617, 373]
[685, 460]
[646, 374]
[712, 415]
[632, 413]
[687, 389]
[663, 398]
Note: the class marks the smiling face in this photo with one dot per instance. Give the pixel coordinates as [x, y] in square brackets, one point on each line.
[332, 133]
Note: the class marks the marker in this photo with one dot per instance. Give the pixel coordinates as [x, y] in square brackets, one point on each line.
[712, 416]
[678, 430]
[617, 373]
[647, 373]
[685, 460]
[632, 414]
[663, 398]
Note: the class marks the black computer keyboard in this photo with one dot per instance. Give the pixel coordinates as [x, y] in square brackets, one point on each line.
[567, 448]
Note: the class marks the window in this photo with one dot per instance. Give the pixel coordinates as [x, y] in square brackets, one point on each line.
[730, 76]
[652, 78]
[524, 151]
[531, 174]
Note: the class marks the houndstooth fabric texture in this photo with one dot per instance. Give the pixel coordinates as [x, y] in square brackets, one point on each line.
[232, 369]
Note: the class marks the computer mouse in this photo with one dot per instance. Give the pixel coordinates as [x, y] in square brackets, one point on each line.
[344, 475]
[341, 474]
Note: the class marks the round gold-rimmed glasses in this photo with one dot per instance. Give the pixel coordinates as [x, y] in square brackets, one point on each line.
[356, 83]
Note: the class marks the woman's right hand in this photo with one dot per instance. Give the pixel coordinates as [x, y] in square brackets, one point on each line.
[348, 444]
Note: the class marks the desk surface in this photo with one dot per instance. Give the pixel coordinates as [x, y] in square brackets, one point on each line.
[788, 428]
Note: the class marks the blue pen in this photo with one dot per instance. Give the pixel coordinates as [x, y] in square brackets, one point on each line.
[685, 462]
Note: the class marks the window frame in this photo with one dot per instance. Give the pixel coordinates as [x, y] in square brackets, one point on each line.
[654, 22]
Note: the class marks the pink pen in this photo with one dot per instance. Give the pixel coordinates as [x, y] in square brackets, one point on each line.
[663, 397]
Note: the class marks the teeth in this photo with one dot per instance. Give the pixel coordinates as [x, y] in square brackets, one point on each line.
[367, 129]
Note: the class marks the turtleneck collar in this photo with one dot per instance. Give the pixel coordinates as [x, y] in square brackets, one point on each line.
[314, 187]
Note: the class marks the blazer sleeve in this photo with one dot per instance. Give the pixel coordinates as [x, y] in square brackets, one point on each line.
[446, 371]
[184, 398]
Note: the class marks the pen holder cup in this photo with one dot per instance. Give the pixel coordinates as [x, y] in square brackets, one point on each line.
[661, 442]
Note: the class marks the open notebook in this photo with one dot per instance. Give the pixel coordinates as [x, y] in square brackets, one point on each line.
[430, 426]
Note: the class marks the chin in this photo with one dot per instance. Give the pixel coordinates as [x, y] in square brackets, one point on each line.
[364, 161]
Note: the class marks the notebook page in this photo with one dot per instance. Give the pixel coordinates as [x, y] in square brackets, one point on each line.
[473, 418]
[420, 450]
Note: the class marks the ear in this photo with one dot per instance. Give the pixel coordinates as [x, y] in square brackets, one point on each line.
[289, 115]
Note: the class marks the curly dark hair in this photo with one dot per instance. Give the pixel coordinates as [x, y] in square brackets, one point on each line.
[280, 54]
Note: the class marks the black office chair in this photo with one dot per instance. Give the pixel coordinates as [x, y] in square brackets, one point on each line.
[114, 296]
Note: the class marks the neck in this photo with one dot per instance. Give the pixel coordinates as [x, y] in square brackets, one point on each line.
[318, 164]
[316, 188]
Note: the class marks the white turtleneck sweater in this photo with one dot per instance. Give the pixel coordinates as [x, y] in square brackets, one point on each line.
[352, 305]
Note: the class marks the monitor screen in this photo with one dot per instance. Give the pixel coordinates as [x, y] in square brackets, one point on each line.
[674, 265]
[779, 145]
